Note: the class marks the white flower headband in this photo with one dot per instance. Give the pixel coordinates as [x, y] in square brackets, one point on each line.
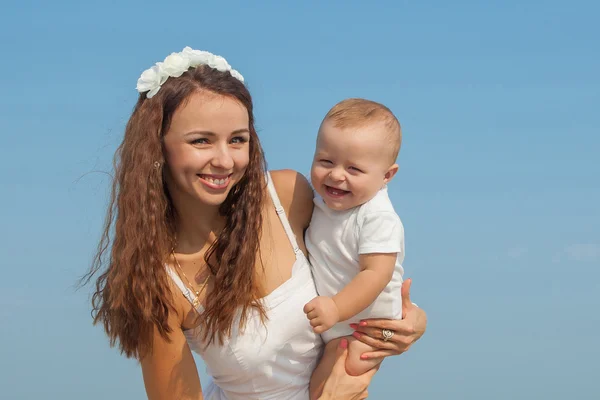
[176, 64]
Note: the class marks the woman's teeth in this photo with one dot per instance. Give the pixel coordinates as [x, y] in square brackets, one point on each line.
[215, 181]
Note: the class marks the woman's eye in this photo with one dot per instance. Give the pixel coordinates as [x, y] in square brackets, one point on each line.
[239, 140]
[200, 141]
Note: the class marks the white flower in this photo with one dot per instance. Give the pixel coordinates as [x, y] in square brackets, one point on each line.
[175, 65]
[196, 57]
[218, 63]
[151, 80]
[237, 75]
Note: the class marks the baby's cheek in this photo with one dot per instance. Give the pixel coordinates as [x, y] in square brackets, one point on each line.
[316, 175]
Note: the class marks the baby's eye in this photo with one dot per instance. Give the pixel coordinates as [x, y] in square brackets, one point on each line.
[356, 169]
[326, 161]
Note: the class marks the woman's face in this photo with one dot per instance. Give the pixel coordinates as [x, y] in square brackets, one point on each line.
[206, 148]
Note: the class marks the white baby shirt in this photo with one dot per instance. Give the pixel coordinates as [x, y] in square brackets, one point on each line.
[334, 241]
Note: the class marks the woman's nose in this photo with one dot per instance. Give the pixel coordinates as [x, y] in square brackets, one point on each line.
[222, 158]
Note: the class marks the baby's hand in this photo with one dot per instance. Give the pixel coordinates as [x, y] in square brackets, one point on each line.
[322, 313]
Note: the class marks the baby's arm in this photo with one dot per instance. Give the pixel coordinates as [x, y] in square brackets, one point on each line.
[376, 272]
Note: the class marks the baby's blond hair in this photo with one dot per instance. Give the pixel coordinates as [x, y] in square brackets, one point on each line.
[357, 113]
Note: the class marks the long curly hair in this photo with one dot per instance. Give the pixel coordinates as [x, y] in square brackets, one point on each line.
[132, 293]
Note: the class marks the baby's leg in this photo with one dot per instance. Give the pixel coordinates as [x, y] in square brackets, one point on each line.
[354, 365]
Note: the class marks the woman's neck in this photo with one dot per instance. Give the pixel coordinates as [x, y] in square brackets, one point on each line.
[196, 225]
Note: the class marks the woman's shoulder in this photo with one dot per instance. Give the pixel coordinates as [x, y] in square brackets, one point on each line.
[291, 186]
[295, 194]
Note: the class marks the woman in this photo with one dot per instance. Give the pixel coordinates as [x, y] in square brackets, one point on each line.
[206, 247]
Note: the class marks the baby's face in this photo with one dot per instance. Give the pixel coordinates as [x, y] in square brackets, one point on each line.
[350, 165]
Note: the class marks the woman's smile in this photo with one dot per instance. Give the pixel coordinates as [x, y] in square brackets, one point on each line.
[217, 182]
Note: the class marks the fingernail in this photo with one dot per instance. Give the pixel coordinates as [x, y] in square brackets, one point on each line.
[357, 335]
[353, 326]
[364, 357]
[344, 343]
[362, 323]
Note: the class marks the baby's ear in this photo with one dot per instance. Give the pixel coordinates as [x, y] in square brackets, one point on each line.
[390, 173]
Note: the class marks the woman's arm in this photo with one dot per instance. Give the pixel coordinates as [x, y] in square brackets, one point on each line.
[170, 370]
[341, 386]
[405, 331]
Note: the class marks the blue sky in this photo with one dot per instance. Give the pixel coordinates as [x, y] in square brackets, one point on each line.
[498, 186]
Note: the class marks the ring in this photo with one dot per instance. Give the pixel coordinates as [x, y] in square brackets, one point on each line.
[387, 334]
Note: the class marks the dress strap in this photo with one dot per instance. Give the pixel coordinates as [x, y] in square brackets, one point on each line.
[281, 213]
[187, 293]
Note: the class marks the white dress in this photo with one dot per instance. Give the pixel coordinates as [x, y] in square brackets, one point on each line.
[270, 361]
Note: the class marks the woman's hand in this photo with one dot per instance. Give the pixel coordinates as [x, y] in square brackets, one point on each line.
[340, 385]
[405, 332]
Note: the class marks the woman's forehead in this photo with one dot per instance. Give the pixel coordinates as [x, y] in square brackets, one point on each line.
[210, 112]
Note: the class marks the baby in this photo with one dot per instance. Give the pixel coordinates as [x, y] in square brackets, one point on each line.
[355, 239]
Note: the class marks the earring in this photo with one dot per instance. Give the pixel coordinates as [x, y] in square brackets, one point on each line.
[156, 164]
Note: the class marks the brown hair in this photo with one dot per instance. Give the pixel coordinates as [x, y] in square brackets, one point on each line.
[133, 294]
[356, 113]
